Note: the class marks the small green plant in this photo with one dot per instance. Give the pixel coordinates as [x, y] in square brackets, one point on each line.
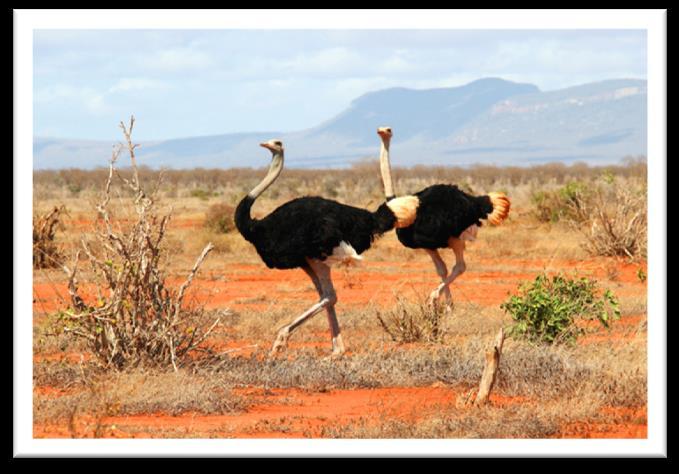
[546, 310]
[641, 275]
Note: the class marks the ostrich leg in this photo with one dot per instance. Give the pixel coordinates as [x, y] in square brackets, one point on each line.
[442, 272]
[328, 292]
[458, 246]
[319, 273]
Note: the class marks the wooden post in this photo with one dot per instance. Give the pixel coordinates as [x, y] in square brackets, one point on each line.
[490, 370]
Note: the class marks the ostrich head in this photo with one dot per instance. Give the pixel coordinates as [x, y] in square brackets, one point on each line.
[275, 146]
[385, 134]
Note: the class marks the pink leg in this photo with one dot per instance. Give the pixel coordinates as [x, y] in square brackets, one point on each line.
[458, 247]
[319, 273]
[442, 272]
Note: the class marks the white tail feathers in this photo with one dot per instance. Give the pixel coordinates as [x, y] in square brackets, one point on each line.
[344, 254]
[501, 205]
[405, 210]
[469, 234]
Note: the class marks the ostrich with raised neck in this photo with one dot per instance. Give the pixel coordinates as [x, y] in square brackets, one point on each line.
[446, 217]
[313, 233]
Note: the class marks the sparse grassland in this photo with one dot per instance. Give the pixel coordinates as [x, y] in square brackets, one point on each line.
[385, 386]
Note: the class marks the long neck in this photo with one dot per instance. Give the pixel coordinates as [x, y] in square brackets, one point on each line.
[274, 170]
[243, 219]
[385, 168]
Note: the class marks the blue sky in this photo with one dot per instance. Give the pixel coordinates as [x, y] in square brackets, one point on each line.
[182, 83]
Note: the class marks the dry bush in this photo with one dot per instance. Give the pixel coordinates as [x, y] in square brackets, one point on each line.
[46, 253]
[219, 218]
[136, 319]
[616, 222]
[412, 322]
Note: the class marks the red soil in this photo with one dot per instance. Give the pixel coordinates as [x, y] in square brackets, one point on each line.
[294, 413]
[290, 413]
[638, 428]
[258, 288]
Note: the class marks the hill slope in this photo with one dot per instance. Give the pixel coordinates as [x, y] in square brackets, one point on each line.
[486, 121]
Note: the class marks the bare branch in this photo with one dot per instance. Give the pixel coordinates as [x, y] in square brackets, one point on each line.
[185, 285]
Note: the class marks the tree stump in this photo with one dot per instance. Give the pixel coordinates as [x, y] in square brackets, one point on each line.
[490, 370]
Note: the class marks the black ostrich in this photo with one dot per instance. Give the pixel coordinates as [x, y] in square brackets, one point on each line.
[313, 233]
[447, 217]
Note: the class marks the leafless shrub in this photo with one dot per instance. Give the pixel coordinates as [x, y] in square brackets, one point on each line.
[616, 219]
[46, 253]
[219, 218]
[412, 322]
[139, 321]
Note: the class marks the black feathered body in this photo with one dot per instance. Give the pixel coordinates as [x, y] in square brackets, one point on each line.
[310, 227]
[444, 211]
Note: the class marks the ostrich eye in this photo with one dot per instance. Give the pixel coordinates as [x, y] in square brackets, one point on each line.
[277, 143]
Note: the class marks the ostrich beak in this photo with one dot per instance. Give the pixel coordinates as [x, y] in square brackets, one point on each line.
[267, 146]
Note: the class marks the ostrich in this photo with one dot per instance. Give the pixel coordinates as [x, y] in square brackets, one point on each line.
[313, 233]
[446, 217]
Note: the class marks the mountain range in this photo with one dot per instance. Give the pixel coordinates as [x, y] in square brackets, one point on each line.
[488, 121]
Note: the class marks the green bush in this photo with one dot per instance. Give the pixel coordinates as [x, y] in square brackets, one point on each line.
[567, 202]
[545, 311]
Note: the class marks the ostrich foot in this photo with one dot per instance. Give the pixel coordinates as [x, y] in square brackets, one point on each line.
[337, 347]
[434, 296]
[281, 341]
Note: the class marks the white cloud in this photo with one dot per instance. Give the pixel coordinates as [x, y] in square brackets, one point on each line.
[291, 79]
[176, 60]
[137, 83]
[70, 96]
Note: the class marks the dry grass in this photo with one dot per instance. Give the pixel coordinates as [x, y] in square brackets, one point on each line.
[412, 322]
[46, 252]
[138, 392]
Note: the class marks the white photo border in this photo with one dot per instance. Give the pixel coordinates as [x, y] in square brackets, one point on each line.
[653, 21]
